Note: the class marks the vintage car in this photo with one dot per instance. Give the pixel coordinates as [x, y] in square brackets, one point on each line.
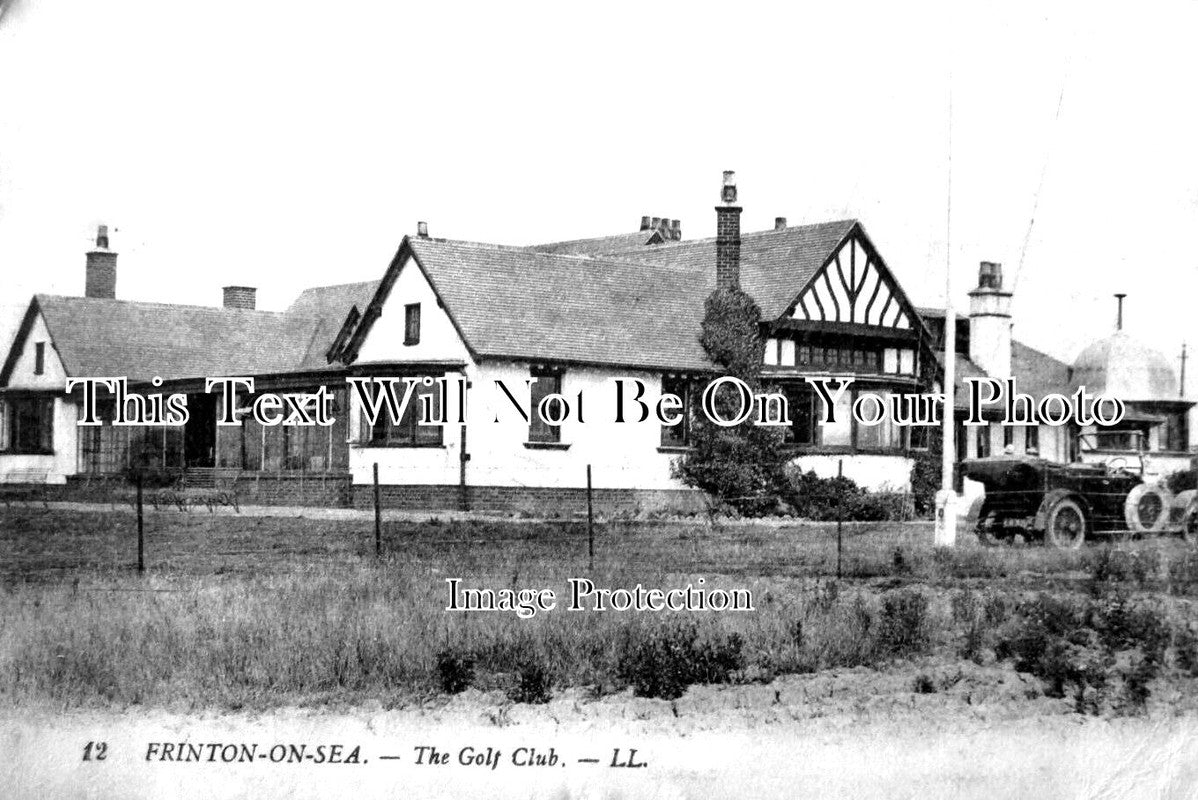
[1065, 503]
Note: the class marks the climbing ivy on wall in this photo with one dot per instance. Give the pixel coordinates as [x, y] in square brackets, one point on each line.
[743, 466]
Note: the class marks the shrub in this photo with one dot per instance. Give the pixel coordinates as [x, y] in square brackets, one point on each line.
[824, 499]
[903, 628]
[1182, 480]
[671, 658]
[455, 669]
[1106, 651]
[533, 684]
[741, 466]
[923, 684]
[926, 474]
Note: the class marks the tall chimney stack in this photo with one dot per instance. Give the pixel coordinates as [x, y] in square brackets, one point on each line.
[727, 236]
[244, 298]
[990, 322]
[676, 231]
[1119, 314]
[100, 277]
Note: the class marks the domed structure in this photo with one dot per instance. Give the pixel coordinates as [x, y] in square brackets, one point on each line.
[1123, 367]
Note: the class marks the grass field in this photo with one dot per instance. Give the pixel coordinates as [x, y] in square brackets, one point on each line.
[240, 611]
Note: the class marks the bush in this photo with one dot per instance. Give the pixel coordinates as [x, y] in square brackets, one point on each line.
[923, 684]
[455, 669]
[1106, 651]
[820, 499]
[925, 475]
[1182, 480]
[903, 628]
[740, 466]
[533, 684]
[672, 658]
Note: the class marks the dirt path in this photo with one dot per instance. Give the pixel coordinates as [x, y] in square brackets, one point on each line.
[764, 741]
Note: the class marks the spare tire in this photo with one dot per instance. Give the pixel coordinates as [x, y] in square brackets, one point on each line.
[1146, 508]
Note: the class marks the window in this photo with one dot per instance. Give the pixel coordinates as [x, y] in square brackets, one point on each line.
[983, 441]
[885, 435]
[803, 415]
[29, 425]
[547, 383]
[677, 435]
[39, 358]
[1008, 438]
[409, 433]
[411, 324]
[1031, 440]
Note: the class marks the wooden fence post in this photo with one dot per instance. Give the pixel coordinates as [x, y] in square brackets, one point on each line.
[590, 522]
[839, 516]
[141, 534]
[378, 515]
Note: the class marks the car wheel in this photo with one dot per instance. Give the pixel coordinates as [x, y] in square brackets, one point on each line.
[1146, 509]
[1066, 524]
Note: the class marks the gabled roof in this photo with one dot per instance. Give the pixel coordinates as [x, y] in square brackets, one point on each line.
[98, 337]
[642, 307]
[1037, 372]
[338, 308]
[512, 302]
[601, 245]
[774, 265]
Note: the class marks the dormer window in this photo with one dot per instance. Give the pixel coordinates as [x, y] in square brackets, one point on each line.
[411, 324]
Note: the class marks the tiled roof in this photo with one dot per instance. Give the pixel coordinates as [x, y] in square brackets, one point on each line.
[601, 245]
[98, 337]
[1038, 373]
[1035, 373]
[642, 306]
[330, 305]
[520, 303]
[774, 265]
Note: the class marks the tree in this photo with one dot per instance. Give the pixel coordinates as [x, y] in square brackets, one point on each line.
[742, 466]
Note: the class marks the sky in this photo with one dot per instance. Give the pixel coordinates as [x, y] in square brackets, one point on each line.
[291, 144]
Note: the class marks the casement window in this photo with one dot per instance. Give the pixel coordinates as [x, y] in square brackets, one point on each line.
[408, 433]
[677, 435]
[804, 415]
[983, 441]
[39, 358]
[411, 324]
[547, 382]
[1008, 437]
[28, 425]
[1031, 440]
[885, 435]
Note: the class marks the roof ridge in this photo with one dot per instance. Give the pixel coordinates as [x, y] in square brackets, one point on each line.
[338, 285]
[157, 304]
[670, 244]
[602, 259]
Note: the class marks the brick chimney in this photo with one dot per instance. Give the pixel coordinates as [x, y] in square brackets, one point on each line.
[779, 223]
[676, 230]
[100, 279]
[990, 322]
[727, 236]
[241, 297]
[645, 223]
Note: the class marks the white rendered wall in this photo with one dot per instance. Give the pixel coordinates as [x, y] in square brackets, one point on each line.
[64, 460]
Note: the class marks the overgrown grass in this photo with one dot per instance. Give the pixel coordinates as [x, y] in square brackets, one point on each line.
[259, 612]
